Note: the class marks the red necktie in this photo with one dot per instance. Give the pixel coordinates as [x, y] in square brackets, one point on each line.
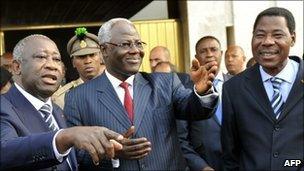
[128, 103]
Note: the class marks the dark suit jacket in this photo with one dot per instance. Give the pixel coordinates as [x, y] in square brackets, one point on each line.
[252, 138]
[158, 99]
[26, 143]
[201, 141]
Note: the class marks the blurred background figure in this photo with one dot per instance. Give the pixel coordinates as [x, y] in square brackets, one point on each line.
[235, 60]
[250, 62]
[7, 61]
[86, 57]
[6, 78]
[164, 66]
[159, 54]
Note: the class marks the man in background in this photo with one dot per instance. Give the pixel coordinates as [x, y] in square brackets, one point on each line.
[159, 54]
[86, 57]
[7, 61]
[235, 60]
[200, 140]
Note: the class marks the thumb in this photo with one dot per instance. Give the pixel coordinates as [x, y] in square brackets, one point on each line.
[129, 132]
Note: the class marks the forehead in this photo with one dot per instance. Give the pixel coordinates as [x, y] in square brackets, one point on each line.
[234, 50]
[266, 23]
[40, 44]
[208, 43]
[124, 30]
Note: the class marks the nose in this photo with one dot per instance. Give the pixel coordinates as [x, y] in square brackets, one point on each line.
[52, 64]
[87, 59]
[268, 40]
[134, 49]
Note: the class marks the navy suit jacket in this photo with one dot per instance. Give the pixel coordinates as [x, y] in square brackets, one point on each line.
[158, 98]
[252, 138]
[201, 141]
[26, 143]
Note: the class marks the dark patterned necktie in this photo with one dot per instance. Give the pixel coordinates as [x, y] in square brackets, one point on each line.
[128, 102]
[48, 117]
[277, 101]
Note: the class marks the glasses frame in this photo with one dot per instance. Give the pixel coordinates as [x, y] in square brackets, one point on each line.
[131, 44]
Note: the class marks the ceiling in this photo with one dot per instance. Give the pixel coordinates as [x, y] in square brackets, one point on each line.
[17, 13]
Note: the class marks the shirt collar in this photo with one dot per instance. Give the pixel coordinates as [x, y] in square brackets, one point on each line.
[116, 82]
[286, 74]
[37, 103]
[219, 76]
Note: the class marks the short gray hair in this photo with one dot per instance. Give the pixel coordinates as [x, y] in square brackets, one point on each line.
[19, 48]
[104, 33]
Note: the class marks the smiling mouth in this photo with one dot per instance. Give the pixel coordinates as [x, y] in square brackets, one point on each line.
[267, 53]
[133, 60]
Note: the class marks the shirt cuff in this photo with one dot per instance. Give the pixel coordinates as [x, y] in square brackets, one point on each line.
[115, 163]
[59, 156]
[208, 99]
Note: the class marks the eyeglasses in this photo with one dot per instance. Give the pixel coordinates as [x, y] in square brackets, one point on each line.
[128, 45]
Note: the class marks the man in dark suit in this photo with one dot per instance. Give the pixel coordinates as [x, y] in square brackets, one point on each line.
[263, 106]
[148, 105]
[200, 140]
[32, 137]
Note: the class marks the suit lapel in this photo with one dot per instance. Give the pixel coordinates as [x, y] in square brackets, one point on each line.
[27, 113]
[296, 92]
[257, 91]
[108, 97]
[141, 95]
[59, 117]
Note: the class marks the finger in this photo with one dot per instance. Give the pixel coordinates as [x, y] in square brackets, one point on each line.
[93, 153]
[139, 156]
[195, 65]
[129, 142]
[98, 147]
[117, 145]
[112, 135]
[107, 145]
[139, 152]
[209, 65]
[139, 147]
[129, 132]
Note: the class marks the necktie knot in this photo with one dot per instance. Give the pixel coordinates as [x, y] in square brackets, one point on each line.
[124, 85]
[46, 110]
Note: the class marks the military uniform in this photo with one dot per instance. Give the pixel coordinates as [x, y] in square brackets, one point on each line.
[58, 96]
[83, 43]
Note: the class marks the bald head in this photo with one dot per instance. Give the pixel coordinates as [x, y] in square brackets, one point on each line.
[159, 54]
[235, 60]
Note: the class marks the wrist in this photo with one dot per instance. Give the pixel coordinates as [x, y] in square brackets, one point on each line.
[63, 141]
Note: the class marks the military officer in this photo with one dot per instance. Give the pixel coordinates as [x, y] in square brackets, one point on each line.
[84, 51]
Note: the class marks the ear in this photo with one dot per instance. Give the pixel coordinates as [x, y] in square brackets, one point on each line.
[16, 67]
[73, 62]
[103, 51]
[293, 39]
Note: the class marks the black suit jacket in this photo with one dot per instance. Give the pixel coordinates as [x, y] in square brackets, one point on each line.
[200, 141]
[252, 138]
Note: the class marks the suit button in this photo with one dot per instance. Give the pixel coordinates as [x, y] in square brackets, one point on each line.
[143, 166]
[277, 128]
[275, 154]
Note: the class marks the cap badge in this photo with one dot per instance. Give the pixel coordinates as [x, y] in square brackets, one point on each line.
[83, 44]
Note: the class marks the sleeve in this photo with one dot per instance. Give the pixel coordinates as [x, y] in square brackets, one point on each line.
[194, 160]
[187, 105]
[30, 152]
[229, 136]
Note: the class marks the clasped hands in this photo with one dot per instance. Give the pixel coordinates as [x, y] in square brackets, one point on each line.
[102, 143]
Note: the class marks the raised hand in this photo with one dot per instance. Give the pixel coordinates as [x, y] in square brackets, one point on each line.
[203, 75]
[99, 142]
[133, 149]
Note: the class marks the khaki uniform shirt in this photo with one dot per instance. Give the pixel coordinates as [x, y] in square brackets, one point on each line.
[58, 96]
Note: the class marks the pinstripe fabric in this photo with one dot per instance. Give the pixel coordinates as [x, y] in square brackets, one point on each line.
[157, 99]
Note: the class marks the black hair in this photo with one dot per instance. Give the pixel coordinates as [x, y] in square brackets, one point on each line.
[205, 38]
[279, 12]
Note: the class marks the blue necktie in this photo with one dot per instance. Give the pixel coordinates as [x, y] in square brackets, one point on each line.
[277, 101]
[218, 86]
[48, 117]
[50, 121]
